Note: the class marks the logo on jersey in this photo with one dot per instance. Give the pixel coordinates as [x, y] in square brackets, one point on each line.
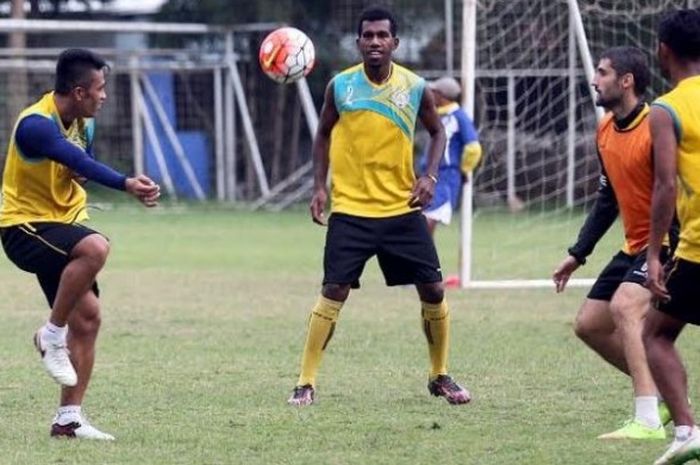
[643, 271]
[400, 98]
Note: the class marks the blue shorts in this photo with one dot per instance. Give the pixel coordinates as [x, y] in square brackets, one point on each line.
[447, 189]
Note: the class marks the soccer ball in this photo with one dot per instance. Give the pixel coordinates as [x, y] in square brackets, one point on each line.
[286, 55]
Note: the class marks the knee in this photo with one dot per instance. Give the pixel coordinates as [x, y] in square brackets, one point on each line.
[623, 313]
[432, 293]
[94, 247]
[584, 327]
[86, 322]
[337, 292]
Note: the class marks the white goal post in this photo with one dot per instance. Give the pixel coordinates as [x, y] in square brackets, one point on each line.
[526, 68]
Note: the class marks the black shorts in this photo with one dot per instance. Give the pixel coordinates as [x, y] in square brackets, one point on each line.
[402, 244]
[682, 283]
[623, 268]
[44, 250]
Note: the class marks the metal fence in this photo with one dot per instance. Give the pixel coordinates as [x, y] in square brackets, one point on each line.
[183, 104]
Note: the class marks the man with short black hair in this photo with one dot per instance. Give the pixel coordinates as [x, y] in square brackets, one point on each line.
[43, 204]
[365, 134]
[675, 131]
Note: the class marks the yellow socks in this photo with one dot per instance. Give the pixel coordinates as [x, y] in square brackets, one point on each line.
[436, 325]
[320, 330]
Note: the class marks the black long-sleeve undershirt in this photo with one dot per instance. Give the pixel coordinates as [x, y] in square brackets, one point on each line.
[603, 214]
[38, 137]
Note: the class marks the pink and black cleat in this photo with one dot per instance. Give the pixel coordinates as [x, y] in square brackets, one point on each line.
[302, 395]
[445, 386]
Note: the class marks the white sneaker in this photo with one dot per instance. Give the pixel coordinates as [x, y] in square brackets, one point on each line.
[76, 426]
[56, 360]
[682, 451]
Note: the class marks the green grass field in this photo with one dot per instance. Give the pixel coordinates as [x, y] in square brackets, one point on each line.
[204, 313]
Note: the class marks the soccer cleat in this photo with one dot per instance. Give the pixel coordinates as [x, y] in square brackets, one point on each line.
[682, 451]
[632, 429]
[56, 361]
[302, 395]
[445, 386]
[80, 428]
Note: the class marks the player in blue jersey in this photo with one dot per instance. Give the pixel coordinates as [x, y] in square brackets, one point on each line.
[462, 152]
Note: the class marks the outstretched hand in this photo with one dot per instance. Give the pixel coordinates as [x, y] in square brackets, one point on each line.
[143, 188]
[422, 193]
[563, 272]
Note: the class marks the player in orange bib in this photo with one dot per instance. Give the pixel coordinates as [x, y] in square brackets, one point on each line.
[610, 320]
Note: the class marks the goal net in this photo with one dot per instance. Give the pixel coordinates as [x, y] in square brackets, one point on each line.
[534, 110]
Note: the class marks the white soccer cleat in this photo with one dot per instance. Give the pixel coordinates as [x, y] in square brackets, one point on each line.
[78, 428]
[56, 360]
[682, 451]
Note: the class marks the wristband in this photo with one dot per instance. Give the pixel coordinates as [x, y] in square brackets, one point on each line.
[432, 177]
[579, 259]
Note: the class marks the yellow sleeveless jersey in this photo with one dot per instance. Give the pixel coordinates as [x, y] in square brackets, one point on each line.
[371, 151]
[682, 104]
[41, 190]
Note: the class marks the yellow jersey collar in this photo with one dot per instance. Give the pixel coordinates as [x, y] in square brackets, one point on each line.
[384, 82]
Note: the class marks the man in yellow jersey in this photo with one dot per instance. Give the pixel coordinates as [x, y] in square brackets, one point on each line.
[43, 206]
[611, 319]
[675, 131]
[365, 135]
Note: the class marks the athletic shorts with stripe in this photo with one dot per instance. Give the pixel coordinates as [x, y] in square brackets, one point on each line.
[623, 268]
[683, 285]
[44, 250]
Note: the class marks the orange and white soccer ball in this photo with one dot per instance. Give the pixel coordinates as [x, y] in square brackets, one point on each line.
[286, 55]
